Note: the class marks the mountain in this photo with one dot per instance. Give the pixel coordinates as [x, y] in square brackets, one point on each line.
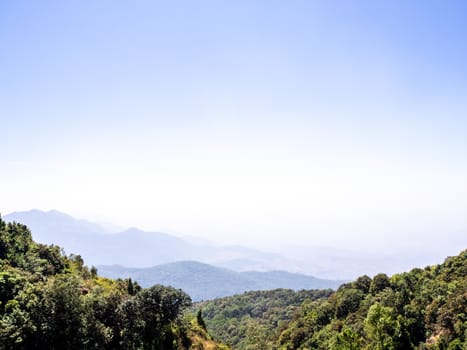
[137, 248]
[100, 245]
[420, 309]
[204, 282]
[54, 224]
[131, 247]
[51, 301]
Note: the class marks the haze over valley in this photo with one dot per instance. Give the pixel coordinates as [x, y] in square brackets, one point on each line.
[233, 175]
[103, 244]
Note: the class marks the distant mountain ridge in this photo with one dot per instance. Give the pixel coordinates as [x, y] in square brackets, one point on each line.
[101, 244]
[133, 247]
[137, 248]
[159, 258]
[96, 245]
[204, 282]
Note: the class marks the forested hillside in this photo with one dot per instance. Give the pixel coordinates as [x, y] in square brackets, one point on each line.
[205, 282]
[50, 301]
[252, 320]
[421, 309]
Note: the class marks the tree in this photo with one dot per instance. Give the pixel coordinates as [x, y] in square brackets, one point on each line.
[200, 320]
[348, 301]
[93, 272]
[64, 310]
[15, 243]
[347, 340]
[363, 283]
[159, 306]
[379, 283]
[380, 326]
[257, 337]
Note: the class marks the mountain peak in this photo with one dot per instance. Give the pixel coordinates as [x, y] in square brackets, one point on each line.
[132, 230]
[55, 212]
[40, 214]
[134, 247]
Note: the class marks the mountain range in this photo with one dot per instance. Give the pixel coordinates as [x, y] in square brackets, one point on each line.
[133, 247]
[204, 282]
[203, 271]
[103, 244]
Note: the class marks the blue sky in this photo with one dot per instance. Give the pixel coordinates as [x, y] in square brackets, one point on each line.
[319, 122]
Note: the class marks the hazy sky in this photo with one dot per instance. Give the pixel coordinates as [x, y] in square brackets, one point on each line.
[315, 122]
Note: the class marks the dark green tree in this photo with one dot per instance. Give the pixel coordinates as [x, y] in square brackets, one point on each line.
[200, 320]
[379, 283]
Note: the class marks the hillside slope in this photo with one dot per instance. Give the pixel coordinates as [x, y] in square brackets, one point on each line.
[203, 281]
[423, 309]
[50, 301]
[252, 320]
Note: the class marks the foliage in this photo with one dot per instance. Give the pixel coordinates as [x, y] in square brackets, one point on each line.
[423, 309]
[420, 309]
[252, 320]
[51, 301]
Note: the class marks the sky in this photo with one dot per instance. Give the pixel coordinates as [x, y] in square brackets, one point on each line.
[261, 123]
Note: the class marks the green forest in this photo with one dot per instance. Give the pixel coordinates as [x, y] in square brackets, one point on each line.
[251, 320]
[421, 309]
[52, 301]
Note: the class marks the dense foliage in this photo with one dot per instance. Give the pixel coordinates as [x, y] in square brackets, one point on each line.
[420, 309]
[253, 320]
[50, 301]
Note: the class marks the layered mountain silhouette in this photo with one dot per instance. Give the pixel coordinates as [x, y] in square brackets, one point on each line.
[204, 282]
[137, 248]
[204, 271]
[103, 245]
